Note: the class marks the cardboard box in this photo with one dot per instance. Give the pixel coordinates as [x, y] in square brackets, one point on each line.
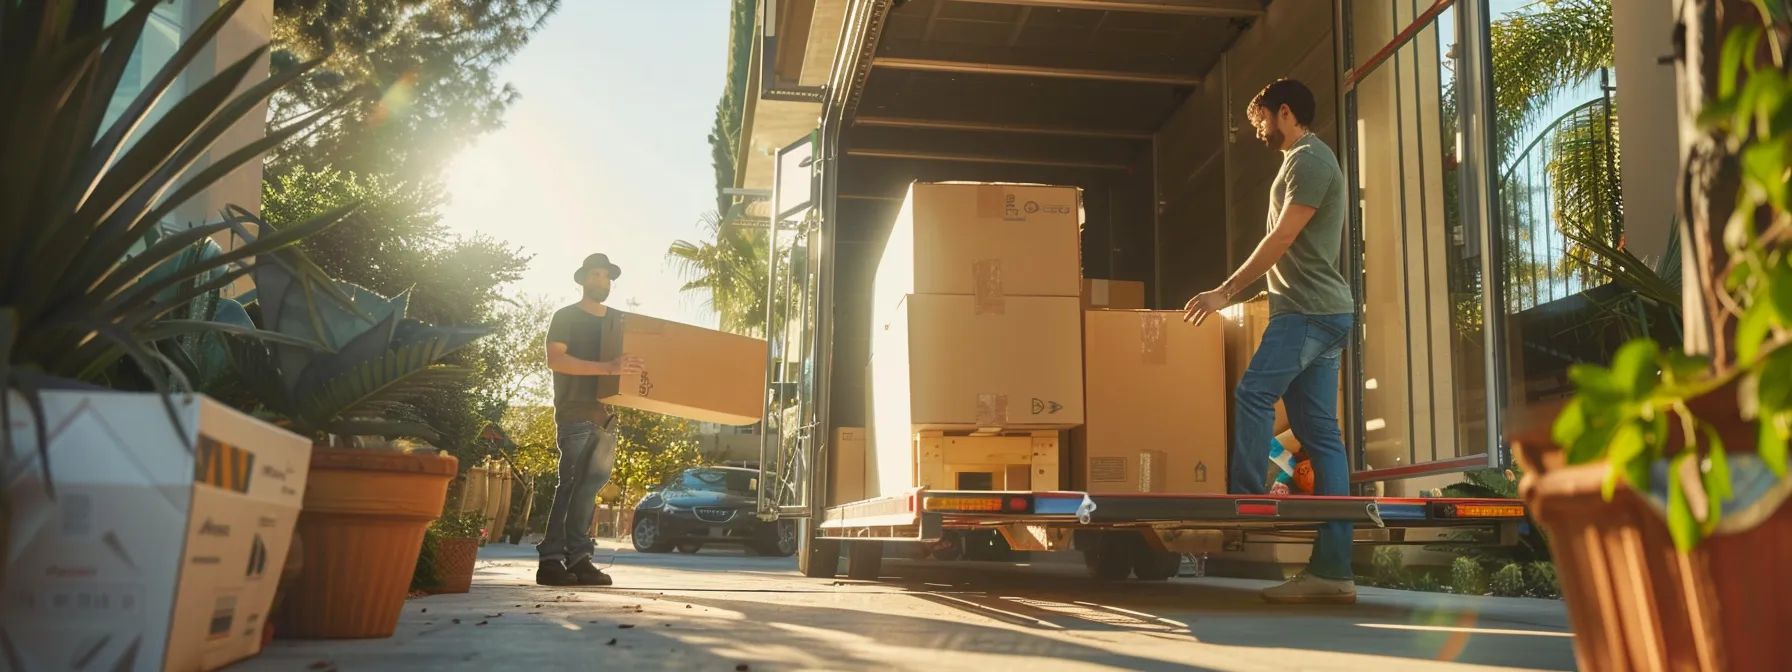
[691, 372]
[984, 240]
[942, 365]
[1113, 294]
[847, 466]
[161, 550]
[1156, 404]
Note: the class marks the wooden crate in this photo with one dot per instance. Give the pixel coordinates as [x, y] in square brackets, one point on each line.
[1011, 460]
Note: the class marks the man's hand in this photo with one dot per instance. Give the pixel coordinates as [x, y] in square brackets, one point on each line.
[628, 365]
[1204, 304]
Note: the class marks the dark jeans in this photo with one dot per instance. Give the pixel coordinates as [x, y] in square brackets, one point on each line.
[587, 456]
[1297, 363]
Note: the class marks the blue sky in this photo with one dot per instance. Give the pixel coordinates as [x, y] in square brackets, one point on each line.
[606, 151]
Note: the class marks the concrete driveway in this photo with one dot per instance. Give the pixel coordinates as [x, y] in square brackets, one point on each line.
[721, 610]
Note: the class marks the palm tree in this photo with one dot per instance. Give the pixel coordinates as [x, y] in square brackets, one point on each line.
[730, 267]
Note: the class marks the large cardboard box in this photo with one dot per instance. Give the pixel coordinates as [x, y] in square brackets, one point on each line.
[983, 240]
[941, 364]
[847, 466]
[691, 372]
[1156, 412]
[161, 549]
[1113, 294]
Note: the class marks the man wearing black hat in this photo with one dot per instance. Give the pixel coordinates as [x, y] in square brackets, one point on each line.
[587, 437]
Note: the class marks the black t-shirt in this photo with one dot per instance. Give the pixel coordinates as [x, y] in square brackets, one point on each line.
[576, 397]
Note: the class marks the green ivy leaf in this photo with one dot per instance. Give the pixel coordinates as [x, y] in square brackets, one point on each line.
[1754, 328]
[1681, 368]
[1773, 382]
[1741, 44]
[1682, 524]
[1594, 381]
[1716, 473]
[1626, 447]
[1636, 370]
[1570, 425]
[1738, 276]
[1773, 443]
[1764, 167]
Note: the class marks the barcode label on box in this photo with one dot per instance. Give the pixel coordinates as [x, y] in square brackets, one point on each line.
[1107, 470]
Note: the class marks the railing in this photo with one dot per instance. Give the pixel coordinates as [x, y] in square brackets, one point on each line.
[1565, 179]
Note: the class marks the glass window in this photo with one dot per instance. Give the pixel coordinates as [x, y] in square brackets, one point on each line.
[161, 37]
[1423, 352]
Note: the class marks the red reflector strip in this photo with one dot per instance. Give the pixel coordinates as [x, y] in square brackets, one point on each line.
[1017, 504]
[1258, 509]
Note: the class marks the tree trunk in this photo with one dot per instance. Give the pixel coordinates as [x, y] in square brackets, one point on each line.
[1710, 177]
[528, 503]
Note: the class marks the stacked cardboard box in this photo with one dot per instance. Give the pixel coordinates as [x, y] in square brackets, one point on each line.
[976, 322]
[1113, 294]
[1156, 405]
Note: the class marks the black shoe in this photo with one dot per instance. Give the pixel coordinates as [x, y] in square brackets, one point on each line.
[588, 574]
[553, 573]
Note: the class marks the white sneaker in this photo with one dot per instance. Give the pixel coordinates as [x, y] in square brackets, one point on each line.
[1308, 589]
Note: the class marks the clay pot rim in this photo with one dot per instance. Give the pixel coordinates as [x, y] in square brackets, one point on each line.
[362, 459]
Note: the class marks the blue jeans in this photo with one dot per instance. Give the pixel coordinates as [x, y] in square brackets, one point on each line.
[587, 456]
[1298, 363]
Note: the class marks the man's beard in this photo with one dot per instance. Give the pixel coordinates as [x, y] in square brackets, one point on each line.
[598, 294]
[1273, 138]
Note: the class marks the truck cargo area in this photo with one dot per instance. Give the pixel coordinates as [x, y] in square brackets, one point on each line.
[1141, 105]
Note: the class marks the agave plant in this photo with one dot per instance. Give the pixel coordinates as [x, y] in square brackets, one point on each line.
[76, 198]
[343, 369]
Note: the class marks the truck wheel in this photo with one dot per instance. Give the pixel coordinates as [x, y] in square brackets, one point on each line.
[817, 557]
[865, 561]
[1110, 558]
[1154, 565]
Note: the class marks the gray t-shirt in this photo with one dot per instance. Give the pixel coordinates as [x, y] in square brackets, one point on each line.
[1307, 279]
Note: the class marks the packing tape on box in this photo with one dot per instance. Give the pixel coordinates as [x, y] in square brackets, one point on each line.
[992, 410]
[992, 201]
[986, 287]
[1153, 339]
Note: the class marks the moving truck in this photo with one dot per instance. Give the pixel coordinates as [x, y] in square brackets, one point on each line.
[1119, 123]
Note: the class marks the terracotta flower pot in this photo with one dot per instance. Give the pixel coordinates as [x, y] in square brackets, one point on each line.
[454, 562]
[1636, 602]
[363, 523]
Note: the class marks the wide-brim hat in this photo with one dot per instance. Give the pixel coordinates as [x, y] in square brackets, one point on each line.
[599, 260]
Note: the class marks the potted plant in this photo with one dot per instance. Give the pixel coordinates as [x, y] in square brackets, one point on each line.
[1662, 483]
[460, 533]
[369, 498]
[97, 286]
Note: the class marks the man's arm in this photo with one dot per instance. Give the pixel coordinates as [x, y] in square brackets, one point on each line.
[1294, 219]
[561, 362]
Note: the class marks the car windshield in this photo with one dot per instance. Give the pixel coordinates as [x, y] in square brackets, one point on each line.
[720, 480]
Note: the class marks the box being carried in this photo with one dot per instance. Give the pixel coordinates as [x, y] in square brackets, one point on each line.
[691, 372]
[161, 551]
[1156, 405]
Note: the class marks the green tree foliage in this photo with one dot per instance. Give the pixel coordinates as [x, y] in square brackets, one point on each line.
[1539, 54]
[650, 449]
[731, 271]
[428, 67]
[724, 138]
[396, 242]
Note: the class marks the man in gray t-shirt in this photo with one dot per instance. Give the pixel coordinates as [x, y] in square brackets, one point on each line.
[1312, 311]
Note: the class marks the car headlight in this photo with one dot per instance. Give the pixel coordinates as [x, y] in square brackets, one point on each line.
[676, 509]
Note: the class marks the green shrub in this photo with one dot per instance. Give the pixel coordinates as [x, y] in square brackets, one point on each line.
[1510, 581]
[427, 576]
[1542, 580]
[459, 524]
[1467, 577]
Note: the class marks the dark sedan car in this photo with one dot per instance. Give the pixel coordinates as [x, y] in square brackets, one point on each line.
[709, 505]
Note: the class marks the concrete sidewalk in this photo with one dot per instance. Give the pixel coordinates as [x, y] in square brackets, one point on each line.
[721, 610]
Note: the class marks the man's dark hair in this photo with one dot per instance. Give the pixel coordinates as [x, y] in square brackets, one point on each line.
[1292, 93]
